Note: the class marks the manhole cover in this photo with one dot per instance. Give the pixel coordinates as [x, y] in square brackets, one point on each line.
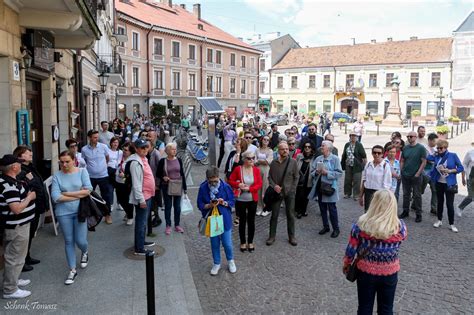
[129, 252]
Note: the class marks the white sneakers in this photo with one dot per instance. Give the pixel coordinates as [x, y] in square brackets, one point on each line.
[71, 277]
[23, 282]
[19, 294]
[438, 223]
[458, 211]
[129, 222]
[232, 267]
[265, 213]
[84, 260]
[215, 270]
[259, 212]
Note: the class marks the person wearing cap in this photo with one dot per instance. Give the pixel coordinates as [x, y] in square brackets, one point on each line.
[17, 208]
[143, 191]
[353, 161]
[96, 155]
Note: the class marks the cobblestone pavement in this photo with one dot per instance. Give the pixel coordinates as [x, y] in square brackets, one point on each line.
[437, 273]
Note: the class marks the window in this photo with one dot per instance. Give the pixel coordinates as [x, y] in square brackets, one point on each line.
[232, 85]
[218, 57]
[280, 106]
[372, 107]
[349, 81]
[279, 82]
[242, 86]
[373, 80]
[242, 61]
[158, 46]
[209, 55]
[312, 82]
[327, 106]
[124, 74]
[192, 52]
[294, 82]
[388, 79]
[158, 79]
[176, 49]
[121, 31]
[209, 83]
[135, 78]
[432, 108]
[135, 41]
[414, 79]
[232, 60]
[311, 106]
[252, 64]
[435, 79]
[262, 87]
[411, 106]
[294, 104]
[219, 84]
[252, 87]
[262, 64]
[192, 82]
[176, 80]
[327, 81]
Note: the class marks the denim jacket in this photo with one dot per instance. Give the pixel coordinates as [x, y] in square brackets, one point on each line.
[333, 166]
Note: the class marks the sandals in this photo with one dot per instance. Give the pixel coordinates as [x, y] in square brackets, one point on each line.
[251, 247]
[243, 247]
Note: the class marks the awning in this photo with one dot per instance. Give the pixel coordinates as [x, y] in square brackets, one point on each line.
[210, 105]
[463, 103]
[264, 101]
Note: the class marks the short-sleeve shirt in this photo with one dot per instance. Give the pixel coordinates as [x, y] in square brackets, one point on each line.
[12, 191]
[95, 160]
[412, 156]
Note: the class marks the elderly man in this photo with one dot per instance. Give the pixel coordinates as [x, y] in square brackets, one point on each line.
[412, 163]
[17, 211]
[283, 177]
[353, 161]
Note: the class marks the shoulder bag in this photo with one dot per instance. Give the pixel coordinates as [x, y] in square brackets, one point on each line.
[271, 195]
[352, 274]
[175, 186]
[326, 188]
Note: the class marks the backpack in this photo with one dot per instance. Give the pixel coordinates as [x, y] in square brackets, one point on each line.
[128, 176]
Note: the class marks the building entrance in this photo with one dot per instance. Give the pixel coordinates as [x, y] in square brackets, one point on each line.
[34, 107]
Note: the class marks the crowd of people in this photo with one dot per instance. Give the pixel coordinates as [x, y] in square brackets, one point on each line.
[258, 169]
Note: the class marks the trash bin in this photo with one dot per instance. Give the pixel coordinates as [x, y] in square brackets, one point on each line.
[45, 168]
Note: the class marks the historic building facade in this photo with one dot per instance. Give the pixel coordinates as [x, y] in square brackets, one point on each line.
[174, 55]
[356, 78]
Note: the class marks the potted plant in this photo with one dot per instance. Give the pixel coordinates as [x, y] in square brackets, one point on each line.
[378, 120]
[366, 118]
[342, 122]
[312, 114]
[470, 118]
[455, 120]
[442, 131]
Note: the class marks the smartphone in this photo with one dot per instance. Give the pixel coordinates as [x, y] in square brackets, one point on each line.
[319, 165]
[214, 200]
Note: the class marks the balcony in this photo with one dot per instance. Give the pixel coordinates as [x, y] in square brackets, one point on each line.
[72, 22]
[110, 64]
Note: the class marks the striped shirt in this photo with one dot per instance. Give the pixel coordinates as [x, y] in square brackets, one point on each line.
[12, 191]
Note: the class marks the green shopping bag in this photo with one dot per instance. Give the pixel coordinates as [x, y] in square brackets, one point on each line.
[216, 223]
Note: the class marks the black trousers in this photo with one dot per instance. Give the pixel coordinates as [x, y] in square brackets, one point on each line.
[246, 211]
[122, 199]
[383, 286]
[441, 192]
[33, 226]
[221, 153]
[368, 194]
[301, 201]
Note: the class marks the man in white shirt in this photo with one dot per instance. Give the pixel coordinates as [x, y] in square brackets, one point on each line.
[421, 136]
[105, 135]
[376, 175]
[249, 137]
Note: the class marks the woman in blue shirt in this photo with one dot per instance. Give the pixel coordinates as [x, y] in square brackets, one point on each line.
[446, 166]
[214, 192]
[69, 185]
[394, 168]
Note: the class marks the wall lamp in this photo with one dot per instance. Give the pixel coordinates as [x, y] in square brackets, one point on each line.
[26, 58]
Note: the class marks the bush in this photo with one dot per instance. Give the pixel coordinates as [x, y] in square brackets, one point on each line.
[455, 120]
[415, 113]
[313, 113]
[451, 118]
[442, 129]
[341, 120]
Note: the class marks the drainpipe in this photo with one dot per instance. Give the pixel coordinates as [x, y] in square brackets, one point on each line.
[200, 70]
[148, 93]
[80, 99]
[334, 91]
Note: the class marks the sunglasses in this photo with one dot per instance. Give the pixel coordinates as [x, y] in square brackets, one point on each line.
[307, 147]
[311, 129]
[250, 158]
[291, 133]
[292, 143]
[377, 152]
[440, 148]
[249, 138]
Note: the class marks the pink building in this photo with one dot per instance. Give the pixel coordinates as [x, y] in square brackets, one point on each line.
[173, 54]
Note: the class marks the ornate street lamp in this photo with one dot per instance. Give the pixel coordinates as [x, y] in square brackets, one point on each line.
[103, 79]
[440, 109]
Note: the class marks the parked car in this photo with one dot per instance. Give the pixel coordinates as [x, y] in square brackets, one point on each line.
[337, 115]
[280, 120]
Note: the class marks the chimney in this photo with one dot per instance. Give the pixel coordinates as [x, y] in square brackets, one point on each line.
[182, 5]
[197, 10]
[389, 39]
[414, 38]
[373, 41]
[170, 3]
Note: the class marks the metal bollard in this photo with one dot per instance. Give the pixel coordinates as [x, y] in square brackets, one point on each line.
[452, 131]
[150, 283]
[378, 129]
[457, 130]
[345, 129]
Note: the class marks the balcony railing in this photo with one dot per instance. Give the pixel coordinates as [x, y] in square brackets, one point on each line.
[109, 63]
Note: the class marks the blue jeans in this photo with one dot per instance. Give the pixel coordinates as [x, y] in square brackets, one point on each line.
[324, 207]
[226, 239]
[106, 191]
[369, 285]
[171, 201]
[141, 217]
[74, 232]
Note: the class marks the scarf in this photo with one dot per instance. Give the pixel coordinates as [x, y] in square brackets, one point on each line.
[214, 190]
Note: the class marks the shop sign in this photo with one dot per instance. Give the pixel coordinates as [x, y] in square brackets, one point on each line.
[23, 127]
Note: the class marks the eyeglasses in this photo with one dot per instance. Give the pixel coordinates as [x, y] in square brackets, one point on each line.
[377, 152]
[441, 148]
[250, 158]
[291, 133]
[249, 138]
[292, 143]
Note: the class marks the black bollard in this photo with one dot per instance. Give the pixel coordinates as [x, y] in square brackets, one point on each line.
[457, 130]
[345, 129]
[150, 283]
[378, 129]
[452, 132]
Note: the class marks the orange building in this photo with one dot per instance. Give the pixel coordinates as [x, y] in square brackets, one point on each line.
[173, 54]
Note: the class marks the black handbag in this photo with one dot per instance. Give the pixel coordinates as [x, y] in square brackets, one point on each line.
[452, 189]
[271, 195]
[353, 271]
[327, 189]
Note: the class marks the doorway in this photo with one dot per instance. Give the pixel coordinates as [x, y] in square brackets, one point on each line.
[350, 106]
[34, 107]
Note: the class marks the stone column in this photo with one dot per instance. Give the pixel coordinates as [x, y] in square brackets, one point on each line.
[394, 111]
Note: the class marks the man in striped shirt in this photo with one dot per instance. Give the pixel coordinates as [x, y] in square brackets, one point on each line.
[17, 209]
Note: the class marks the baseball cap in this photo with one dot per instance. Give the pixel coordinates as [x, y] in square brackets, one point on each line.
[352, 133]
[141, 143]
[9, 159]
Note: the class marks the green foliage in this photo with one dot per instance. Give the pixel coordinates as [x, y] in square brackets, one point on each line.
[312, 113]
[415, 113]
[442, 129]
[378, 120]
[454, 119]
[341, 120]
[240, 124]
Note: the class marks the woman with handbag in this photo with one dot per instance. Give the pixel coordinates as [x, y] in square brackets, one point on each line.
[214, 192]
[325, 172]
[115, 156]
[69, 185]
[446, 166]
[264, 158]
[246, 182]
[372, 254]
[173, 184]
[303, 160]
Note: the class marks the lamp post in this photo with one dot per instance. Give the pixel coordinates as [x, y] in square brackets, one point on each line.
[440, 109]
[103, 79]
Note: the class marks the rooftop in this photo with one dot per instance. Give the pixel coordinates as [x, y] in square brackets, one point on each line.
[467, 25]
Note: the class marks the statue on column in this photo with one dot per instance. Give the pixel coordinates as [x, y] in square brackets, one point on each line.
[394, 111]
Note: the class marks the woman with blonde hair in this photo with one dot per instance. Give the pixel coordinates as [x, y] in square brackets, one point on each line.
[376, 239]
[264, 156]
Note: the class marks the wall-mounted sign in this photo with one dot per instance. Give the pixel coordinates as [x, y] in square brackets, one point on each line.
[55, 133]
[16, 71]
[41, 43]
[23, 127]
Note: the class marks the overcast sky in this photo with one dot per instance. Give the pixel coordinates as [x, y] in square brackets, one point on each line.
[319, 23]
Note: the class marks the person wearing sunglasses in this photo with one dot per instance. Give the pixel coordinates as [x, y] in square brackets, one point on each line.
[376, 175]
[303, 160]
[312, 136]
[292, 146]
[248, 136]
[264, 156]
[447, 166]
[412, 163]
[72, 146]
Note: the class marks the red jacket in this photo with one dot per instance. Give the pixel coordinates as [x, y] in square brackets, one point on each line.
[236, 178]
